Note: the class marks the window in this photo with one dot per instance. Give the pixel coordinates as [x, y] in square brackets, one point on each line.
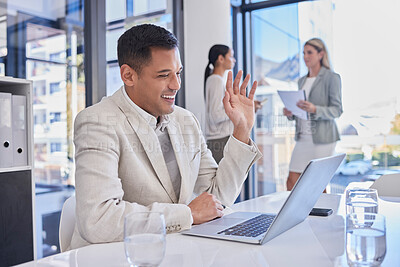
[58, 56]
[55, 116]
[122, 15]
[276, 66]
[39, 118]
[3, 35]
[43, 41]
[57, 76]
[39, 92]
[55, 147]
[54, 87]
[369, 125]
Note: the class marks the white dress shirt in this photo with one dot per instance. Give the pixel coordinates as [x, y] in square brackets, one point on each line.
[306, 124]
[165, 143]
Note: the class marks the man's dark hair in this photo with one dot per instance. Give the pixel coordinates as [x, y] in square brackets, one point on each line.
[134, 46]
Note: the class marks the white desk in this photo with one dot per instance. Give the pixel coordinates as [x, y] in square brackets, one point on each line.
[318, 241]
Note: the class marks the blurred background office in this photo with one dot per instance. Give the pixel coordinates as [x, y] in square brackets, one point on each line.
[68, 49]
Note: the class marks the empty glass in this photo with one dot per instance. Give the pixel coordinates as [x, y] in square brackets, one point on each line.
[144, 238]
[365, 239]
[361, 200]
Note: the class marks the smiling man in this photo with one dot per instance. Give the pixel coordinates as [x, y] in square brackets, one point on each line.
[136, 151]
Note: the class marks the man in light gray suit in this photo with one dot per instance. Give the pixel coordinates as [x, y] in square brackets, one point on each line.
[136, 151]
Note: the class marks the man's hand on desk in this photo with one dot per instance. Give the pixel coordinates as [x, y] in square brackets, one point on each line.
[205, 208]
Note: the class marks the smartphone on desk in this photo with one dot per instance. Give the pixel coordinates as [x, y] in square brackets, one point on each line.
[321, 212]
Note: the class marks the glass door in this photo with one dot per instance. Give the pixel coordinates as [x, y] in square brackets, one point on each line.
[277, 38]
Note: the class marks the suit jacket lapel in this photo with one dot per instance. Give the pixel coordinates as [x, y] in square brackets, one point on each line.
[149, 141]
[179, 147]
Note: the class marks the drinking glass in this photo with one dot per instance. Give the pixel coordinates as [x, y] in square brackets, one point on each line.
[365, 239]
[361, 200]
[144, 238]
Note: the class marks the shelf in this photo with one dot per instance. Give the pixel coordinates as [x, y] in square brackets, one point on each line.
[14, 169]
[17, 214]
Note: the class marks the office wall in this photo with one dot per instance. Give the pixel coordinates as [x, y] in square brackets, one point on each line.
[206, 23]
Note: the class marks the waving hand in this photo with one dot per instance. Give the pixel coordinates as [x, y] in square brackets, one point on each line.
[239, 107]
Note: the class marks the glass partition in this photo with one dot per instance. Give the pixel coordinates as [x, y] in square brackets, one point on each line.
[369, 125]
[122, 15]
[43, 41]
[278, 36]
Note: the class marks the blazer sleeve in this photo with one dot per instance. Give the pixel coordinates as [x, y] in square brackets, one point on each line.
[334, 108]
[226, 179]
[100, 207]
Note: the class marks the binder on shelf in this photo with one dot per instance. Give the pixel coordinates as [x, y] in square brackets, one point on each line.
[6, 137]
[20, 154]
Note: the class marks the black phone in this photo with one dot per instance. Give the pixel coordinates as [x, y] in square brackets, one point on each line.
[321, 212]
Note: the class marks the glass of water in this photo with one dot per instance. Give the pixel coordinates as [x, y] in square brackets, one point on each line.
[144, 238]
[365, 239]
[361, 200]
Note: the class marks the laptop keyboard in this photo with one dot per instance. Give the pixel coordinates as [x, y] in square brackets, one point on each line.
[250, 228]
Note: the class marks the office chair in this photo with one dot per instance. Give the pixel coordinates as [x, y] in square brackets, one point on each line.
[67, 223]
[388, 185]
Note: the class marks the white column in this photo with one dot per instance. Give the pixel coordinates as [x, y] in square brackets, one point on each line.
[206, 23]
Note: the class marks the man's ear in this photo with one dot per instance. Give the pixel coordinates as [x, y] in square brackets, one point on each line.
[128, 75]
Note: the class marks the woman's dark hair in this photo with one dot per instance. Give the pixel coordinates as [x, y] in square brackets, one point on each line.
[213, 55]
[134, 46]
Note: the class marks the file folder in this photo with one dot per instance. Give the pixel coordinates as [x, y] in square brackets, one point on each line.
[20, 154]
[6, 137]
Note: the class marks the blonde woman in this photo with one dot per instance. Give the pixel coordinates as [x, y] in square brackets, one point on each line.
[316, 137]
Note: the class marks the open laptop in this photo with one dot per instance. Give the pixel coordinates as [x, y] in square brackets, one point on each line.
[258, 228]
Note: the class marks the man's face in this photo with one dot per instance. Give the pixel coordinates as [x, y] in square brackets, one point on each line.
[156, 86]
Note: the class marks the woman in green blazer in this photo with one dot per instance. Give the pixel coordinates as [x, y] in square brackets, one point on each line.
[316, 137]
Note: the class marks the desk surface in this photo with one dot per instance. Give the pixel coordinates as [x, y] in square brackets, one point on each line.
[317, 241]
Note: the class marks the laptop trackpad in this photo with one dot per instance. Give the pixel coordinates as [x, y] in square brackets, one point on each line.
[217, 225]
[226, 221]
[233, 218]
[214, 226]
